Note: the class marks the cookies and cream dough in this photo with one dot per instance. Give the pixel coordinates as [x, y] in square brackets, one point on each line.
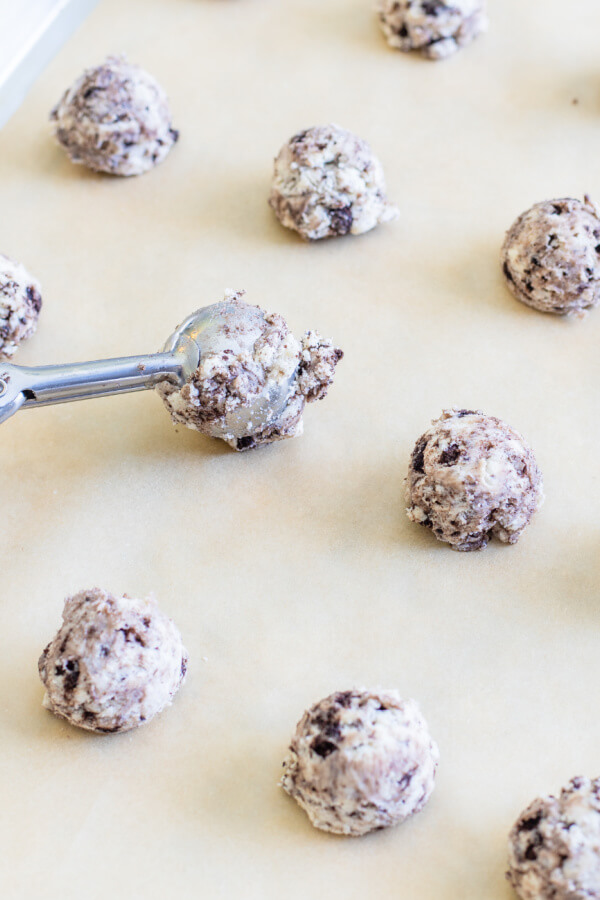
[472, 477]
[252, 358]
[328, 183]
[114, 664]
[554, 846]
[20, 304]
[115, 118]
[436, 28]
[551, 257]
[361, 760]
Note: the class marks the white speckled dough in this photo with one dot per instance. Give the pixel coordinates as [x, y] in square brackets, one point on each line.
[472, 476]
[254, 354]
[551, 257]
[361, 760]
[328, 183]
[20, 304]
[115, 119]
[554, 846]
[114, 664]
[437, 28]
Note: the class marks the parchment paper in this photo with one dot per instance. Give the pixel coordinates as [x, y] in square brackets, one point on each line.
[292, 571]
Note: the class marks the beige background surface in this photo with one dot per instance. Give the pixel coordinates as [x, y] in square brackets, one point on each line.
[292, 571]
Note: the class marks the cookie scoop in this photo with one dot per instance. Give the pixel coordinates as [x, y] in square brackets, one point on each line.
[554, 846]
[471, 477]
[551, 257]
[360, 760]
[114, 664]
[115, 118]
[435, 28]
[253, 378]
[230, 371]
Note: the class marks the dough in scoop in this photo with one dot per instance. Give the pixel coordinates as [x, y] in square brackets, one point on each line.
[253, 356]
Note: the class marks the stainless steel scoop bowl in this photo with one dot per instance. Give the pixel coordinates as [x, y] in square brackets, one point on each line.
[24, 387]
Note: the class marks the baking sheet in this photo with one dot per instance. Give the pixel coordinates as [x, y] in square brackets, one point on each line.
[31, 32]
[292, 571]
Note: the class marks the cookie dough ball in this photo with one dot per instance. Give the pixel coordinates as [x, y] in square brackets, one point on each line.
[470, 477]
[253, 356]
[328, 183]
[554, 846]
[361, 760]
[551, 257]
[438, 28]
[116, 119]
[20, 304]
[115, 663]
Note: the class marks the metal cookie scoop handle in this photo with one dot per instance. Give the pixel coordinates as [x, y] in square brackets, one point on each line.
[27, 386]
